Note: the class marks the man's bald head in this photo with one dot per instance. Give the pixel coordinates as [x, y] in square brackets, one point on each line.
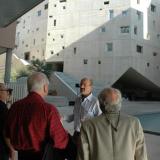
[37, 81]
[110, 100]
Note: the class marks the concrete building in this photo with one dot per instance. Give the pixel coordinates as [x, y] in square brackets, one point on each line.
[9, 12]
[116, 42]
[31, 33]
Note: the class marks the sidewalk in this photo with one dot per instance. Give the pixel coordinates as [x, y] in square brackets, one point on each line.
[132, 108]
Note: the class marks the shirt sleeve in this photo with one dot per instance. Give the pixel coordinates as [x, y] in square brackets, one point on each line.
[56, 130]
[76, 115]
[140, 152]
[97, 110]
[83, 151]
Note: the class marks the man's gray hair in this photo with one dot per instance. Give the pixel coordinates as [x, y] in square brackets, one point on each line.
[87, 79]
[110, 106]
[36, 81]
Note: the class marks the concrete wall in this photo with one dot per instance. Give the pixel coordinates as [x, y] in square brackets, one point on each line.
[31, 33]
[80, 30]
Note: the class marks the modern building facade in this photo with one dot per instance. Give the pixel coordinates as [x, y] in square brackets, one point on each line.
[116, 42]
[31, 33]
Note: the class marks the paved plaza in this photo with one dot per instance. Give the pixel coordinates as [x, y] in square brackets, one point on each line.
[132, 108]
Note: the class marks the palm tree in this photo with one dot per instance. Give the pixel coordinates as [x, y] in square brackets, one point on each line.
[40, 66]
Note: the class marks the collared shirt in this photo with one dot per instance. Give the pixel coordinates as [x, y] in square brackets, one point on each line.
[30, 121]
[87, 109]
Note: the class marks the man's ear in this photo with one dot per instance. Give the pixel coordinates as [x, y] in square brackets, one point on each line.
[45, 88]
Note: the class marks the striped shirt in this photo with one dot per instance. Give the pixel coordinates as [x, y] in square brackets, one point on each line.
[87, 109]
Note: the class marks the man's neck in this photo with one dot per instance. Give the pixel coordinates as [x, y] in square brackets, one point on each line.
[84, 96]
[39, 93]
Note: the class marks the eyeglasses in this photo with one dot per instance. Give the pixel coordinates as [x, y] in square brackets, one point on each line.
[8, 90]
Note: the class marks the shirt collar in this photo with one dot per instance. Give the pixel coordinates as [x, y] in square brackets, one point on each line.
[89, 97]
[35, 95]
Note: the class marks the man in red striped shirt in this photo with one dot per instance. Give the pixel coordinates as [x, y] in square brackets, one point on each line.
[32, 121]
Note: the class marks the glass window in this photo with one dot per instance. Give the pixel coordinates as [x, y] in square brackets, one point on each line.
[99, 62]
[85, 61]
[125, 29]
[111, 14]
[75, 50]
[124, 13]
[158, 36]
[46, 6]
[39, 13]
[139, 49]
[109, 47]
[135, 30]
[55, 22]
[153, 8]
[139, 15]
[62, 1]
[103, 29]
[106, 2]
[27, 56]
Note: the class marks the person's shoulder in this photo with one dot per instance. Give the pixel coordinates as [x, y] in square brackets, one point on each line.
[94, 121]
[18, 103]
[130, 119]
[51, 107]
[93, 98]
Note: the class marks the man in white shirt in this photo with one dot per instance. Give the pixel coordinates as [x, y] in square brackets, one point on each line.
[86, 106]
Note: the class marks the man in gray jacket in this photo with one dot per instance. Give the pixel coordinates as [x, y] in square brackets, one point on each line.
[112, 135]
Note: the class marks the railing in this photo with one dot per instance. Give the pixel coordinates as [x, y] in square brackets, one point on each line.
[19, 90]
[62, 87]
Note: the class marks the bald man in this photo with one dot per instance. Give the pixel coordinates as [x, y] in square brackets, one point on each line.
[112, 135]
[31, 122]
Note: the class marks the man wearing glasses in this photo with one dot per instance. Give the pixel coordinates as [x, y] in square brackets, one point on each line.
[4, 96]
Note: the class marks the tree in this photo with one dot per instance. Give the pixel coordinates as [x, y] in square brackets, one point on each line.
[40, 66]
[23, 73]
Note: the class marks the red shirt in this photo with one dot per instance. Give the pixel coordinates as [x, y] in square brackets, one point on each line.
[31, 120]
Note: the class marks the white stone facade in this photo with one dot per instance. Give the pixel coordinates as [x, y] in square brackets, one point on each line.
[97, 38]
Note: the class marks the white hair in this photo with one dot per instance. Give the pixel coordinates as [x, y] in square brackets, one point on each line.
[36, 81]
[109, 105]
